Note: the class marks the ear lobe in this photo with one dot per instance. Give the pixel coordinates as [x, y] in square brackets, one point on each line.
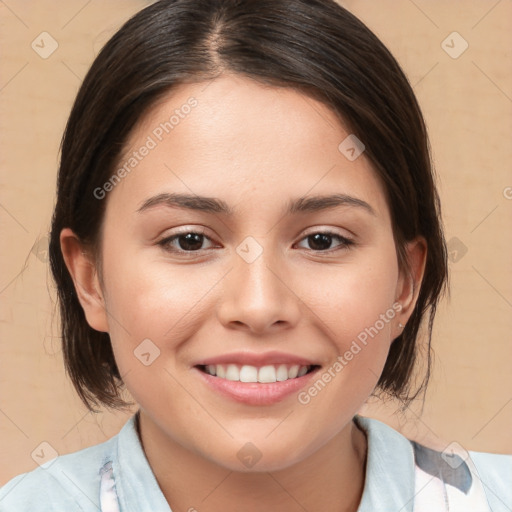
[409, 283]
[85, 278]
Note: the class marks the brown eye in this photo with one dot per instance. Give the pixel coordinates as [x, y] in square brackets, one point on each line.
[187, 241]
[322, 241]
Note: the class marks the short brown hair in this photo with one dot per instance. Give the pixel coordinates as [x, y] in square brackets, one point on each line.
[314, 46]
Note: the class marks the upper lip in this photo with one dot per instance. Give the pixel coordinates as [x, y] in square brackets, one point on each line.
[256, 359]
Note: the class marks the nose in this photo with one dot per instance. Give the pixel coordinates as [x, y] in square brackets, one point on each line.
[259, 296]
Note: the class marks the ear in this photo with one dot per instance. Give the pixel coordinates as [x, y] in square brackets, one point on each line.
[409, 281]
[85, 278]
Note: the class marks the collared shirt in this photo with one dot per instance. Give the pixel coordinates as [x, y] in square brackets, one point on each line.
[401, 476]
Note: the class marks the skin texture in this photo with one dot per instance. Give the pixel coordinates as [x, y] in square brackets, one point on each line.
[255, 147]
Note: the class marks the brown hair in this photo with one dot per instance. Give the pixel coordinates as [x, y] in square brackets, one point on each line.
[314, 46]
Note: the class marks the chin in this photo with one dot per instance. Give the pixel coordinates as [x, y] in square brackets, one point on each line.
[251, 458]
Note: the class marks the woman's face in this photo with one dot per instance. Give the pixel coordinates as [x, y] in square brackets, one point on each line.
[256, 290]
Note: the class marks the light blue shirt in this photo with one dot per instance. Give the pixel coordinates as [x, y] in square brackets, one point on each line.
[401, 476]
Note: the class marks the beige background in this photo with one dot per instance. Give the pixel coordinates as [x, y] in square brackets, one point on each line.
[467, 102]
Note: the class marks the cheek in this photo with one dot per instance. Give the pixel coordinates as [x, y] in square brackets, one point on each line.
[356, 309]
[161, 300]
[352, 297]
[151, 299]
[151, 296]
[355, 306]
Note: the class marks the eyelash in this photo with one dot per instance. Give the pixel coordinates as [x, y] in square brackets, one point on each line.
[166, 242]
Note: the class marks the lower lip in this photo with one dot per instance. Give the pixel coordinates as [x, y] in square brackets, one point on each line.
[255, 393]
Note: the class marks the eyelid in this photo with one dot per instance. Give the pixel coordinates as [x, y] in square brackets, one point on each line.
[198, 230]
[187, 229]
[346, 241]
[184, 231]
[330, 231]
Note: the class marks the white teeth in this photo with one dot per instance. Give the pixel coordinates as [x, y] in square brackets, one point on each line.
[302, 371]
[248, 374]
[293, 371]
[221, 371]
[232, 372]
[264, 374]
[267, 374]
[282, 373]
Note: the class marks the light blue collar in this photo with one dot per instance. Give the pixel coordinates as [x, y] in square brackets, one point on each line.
[389, 479]
[136, 485]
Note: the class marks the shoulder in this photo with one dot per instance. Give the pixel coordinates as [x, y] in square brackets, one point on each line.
[495, 472]
[466, 480]
[478, 479]
[69, 482]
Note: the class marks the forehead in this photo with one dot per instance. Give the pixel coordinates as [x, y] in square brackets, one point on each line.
[244, 142]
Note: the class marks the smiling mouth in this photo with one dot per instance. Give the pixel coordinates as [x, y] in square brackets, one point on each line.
[261, 374]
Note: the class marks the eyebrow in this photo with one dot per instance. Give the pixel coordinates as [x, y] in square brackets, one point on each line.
[214, 205]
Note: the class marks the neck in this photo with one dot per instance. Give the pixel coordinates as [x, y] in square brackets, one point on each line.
[331, 479]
